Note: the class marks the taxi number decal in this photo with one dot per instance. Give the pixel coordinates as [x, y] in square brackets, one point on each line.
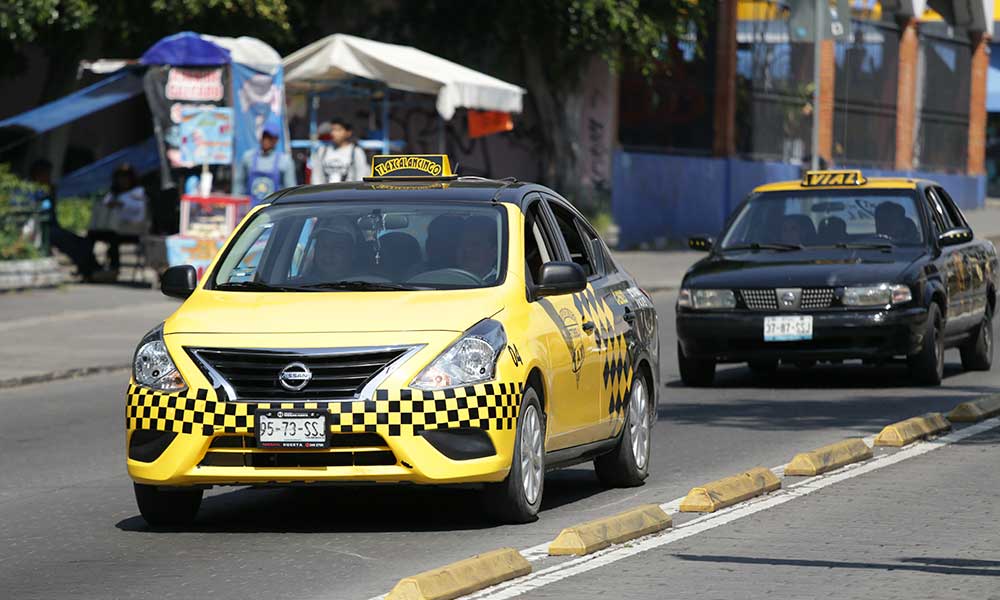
[515, 356]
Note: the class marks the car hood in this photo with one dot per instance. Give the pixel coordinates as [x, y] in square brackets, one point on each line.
[802, 268]
[208, 311]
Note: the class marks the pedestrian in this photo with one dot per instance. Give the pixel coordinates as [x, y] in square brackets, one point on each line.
[121, 215]
[79, 250]
[343, 159]
[262, 171]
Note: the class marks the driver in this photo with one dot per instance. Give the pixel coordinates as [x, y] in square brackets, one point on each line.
[477, 248]
[892, 222]
[333, 257]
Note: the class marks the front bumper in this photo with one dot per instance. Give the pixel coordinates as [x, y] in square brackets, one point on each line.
[738, 336]
[375, 440]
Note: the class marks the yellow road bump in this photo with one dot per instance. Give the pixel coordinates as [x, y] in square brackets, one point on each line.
[463, 577]
[726, 492]
[911, 430]
[829, 458]
[976, 410]
[600, 533]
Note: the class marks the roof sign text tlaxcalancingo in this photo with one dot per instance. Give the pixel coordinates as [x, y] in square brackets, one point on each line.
[411, 166]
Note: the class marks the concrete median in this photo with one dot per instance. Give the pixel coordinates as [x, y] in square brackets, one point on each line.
[600, 533]
[976, 410]
[829, 458]
[912, 430]
[726, 492]
[463, 577]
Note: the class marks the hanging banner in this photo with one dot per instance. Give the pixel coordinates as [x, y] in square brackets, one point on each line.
[256, 96]
[207, 136]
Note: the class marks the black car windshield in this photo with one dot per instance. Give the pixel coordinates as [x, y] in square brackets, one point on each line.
[367, 246]
[836, 218]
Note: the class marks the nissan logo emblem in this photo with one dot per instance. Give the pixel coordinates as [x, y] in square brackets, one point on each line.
[788, 299]
[295, 377]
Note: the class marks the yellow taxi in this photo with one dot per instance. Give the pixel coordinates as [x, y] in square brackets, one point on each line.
[415, 327]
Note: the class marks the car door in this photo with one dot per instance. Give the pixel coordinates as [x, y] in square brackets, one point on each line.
[606, 304]
[974, 262]
[567, 336]
[952, 264]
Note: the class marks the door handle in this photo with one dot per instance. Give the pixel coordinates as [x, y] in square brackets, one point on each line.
[589, 327]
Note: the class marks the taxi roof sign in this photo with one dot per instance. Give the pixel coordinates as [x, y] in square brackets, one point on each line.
[410, 166]
[833, 178]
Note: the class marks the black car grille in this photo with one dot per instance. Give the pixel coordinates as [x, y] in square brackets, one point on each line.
[816, 298]
[760, 299]
[346, 450]
[767, 299]
[253, 374]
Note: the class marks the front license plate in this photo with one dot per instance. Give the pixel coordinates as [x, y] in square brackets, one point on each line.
[788, 329]
[291, 429]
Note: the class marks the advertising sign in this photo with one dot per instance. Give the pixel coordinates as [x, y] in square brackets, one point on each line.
[206, 135]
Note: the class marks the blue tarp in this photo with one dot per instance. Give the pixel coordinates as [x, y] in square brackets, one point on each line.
[95, 178]
[186, 49]
[110, 91]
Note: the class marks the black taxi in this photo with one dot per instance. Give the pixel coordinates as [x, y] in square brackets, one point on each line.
[839, 266]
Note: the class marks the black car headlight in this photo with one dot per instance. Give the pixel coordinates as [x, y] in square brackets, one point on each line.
[471, 359]
[152, 366]
[882, 294]
[706, 299]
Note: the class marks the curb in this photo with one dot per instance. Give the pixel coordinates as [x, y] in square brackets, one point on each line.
[828, 458]
[58, 375]
[976, 410]
[726, 492]
[911, 430]
[600, 533]
[462, 577]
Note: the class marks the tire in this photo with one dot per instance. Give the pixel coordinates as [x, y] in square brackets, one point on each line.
[805, 365]
[695, 372]
[977, 353]
[164, 509]
[517, 498]
[927, 366]
[628, 464]
[763, 367]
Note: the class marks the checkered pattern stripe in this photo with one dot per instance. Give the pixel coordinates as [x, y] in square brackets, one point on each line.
[491, 406]
[614, 349]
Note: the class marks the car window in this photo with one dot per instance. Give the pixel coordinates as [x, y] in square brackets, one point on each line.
[538, 247]
[579, 249]
[402, 245]
[826, 218]
[954, 214]
[598, 252]
[940, 218]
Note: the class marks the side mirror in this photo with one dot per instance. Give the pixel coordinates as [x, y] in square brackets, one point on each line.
[179, 282]
[557, 278]
[703, 244]
[958, 235]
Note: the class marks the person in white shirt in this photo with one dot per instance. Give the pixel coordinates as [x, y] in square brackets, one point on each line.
[343, 160]
[121, 214]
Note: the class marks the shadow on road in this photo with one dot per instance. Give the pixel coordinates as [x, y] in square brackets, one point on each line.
[942, 566]
[849, 376]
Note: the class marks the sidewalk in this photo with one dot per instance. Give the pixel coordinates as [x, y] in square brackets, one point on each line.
[659, 271]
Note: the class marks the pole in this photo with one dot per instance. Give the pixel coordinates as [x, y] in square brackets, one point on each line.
[817, 58]
[385, 121]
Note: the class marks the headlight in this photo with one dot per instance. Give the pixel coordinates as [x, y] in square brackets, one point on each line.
[471, 359]
[152, 365]
[883, 294]
[706, 299]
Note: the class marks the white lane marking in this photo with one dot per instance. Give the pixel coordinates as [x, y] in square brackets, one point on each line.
[583, 564]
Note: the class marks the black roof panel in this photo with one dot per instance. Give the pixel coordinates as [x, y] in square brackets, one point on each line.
[464, 188]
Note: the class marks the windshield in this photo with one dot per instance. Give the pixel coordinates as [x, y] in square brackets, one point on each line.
[370, 246]
[848, 218]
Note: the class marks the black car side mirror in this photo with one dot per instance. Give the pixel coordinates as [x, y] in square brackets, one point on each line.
[179, 282]
[958, 235]
[557, 278]
[703, 244]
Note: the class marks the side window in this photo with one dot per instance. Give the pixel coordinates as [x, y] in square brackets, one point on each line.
[598, 251]
[538, 248]
[579, 249]
[938, 215]
[954, 214]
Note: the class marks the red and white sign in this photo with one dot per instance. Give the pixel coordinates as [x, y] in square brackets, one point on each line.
[195, 85]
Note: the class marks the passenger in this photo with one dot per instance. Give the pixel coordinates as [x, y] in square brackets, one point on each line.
[477, 248]
[891, 221]
[441, 250]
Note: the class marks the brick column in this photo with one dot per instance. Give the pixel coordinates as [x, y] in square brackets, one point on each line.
[906, 90]
[724, 118]
[976, 163]
[827, 74]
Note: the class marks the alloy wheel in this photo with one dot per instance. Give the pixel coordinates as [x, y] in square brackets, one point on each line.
[638, 407]
[532, 465]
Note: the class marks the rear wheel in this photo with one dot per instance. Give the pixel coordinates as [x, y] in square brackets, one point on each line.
[517, 498]
[695, 372]
[977, 353]
[628, 464]
[927, 366]
[167, 508]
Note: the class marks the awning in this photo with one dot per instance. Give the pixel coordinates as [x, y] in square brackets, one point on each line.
[110, 91]
[338, 57]
[96, 177]
[186, 49]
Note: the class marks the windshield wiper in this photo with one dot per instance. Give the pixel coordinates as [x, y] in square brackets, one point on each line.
[256, 286]
[363, 286]
[766, 246]
[886, 245]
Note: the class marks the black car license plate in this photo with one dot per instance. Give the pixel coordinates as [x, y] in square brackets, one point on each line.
[292, 429]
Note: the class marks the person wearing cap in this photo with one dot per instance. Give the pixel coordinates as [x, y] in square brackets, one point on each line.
[264, 170]
[343, 159]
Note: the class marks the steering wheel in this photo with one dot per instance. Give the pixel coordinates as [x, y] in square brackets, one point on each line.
[448, 276]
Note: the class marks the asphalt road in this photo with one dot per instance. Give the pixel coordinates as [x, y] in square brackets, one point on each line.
[71, 529]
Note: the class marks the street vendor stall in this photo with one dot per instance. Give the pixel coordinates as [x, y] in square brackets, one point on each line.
[345, 65]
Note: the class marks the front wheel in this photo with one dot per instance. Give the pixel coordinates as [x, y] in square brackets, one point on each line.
[167, 508]
[977, 353]
[628, 464]
[517, 498]
[927, 366]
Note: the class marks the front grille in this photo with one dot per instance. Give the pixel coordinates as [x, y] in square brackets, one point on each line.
[760, 299]
[346, 450]
[252, 374]
[816, 298]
